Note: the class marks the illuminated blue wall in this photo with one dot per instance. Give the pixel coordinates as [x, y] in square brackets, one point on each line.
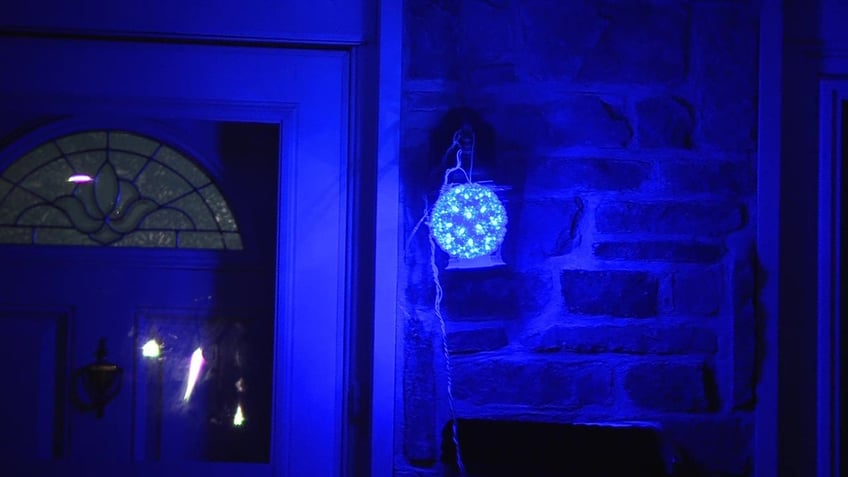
[626, 132]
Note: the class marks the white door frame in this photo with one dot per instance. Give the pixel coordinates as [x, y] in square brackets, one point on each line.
[384, 398]
[309, 96]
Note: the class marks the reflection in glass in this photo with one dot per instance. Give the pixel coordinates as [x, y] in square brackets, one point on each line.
[151, 349]
[193, 372]
[238, 419]
[207, 397]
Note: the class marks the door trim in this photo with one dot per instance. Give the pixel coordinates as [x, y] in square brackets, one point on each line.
[832, 94]
[387, 243]
[312, 197]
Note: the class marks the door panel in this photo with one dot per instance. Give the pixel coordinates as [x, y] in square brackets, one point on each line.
[270, 319]
[35, 391]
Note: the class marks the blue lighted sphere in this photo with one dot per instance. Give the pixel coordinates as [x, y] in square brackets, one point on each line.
[468, 221]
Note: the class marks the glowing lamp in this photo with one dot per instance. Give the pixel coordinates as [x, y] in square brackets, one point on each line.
[151, 349]
[468, 221]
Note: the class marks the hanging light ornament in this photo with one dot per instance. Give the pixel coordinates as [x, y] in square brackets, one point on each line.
[468, 220]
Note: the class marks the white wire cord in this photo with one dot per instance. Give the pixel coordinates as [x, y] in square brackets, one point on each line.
[437, 306]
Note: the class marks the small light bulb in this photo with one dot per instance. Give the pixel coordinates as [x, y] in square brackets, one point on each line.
[238, 419]
[151, 349]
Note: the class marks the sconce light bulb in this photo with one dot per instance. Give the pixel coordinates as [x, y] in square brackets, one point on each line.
[151, 349]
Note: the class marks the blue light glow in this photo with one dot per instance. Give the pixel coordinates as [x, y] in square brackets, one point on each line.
[468, 221]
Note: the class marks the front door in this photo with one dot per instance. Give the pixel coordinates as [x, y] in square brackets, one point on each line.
[173, 243]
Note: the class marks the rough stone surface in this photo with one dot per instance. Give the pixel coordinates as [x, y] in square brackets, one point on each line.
[725, 45]
[641, 44]
[626, 130]
[547, 228]
[557, 35]
[640, 339]
[708, 177]
[744, 333]
[616, 293]
[574, 120]
[665, 122]
[476, 340]
[669, 251]
[593, 174]
[588, 120]
[489, 294]
[666, 217]
[662, 386]
[593, 385]
[528, 382]
[432, 39]
[419, 387]
[697, 292]
[489, 32]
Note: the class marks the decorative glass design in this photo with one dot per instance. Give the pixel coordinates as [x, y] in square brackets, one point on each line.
[113, 188]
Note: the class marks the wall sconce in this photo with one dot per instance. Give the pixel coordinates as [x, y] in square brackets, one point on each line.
[96, 384]
[468, 220]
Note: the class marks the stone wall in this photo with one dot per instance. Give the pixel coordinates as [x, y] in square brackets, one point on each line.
[625, 131]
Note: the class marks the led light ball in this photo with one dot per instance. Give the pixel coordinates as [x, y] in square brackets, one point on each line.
[468, 221]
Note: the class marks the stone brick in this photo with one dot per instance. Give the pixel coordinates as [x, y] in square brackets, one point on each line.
[587, 120]
[665, 122]
[419, 387]
[432, 38]
[697, 292]
[724, 44]
[718, 445]
[641, 43]
[668, 217]
[616, 293]
[531, 382]
[744, 333]
[496, 293]
[590, 174]
[593, 385]
[663, 386]
[557, 36]
[574, 120]
[636, 338]
[488, 32]
[668, 251]
[708, 177]
[476, 340]
[547, 228]
[517, 125]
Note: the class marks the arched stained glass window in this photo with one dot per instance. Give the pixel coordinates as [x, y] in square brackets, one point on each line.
[113, 188]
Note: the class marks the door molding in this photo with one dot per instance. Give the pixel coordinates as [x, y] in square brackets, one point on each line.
[832, 94]
[387, 241]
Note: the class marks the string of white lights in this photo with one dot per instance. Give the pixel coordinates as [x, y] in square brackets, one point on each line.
[448, 368]
[474, 213]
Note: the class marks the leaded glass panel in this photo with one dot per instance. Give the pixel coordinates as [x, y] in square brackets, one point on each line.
[83, 141]
[31, 161]
[113, 188]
